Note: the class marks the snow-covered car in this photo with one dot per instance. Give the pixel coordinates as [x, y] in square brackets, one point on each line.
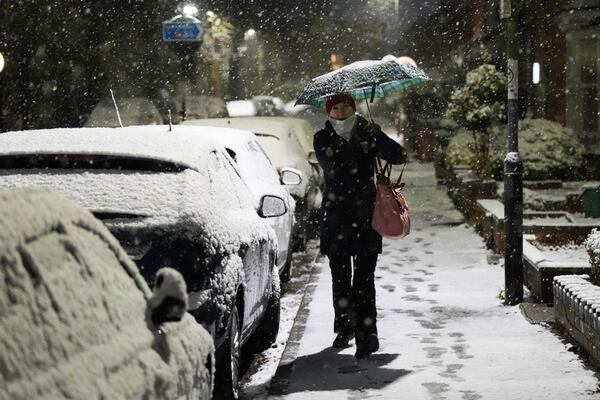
[78, 320]
[284, 149]
[171, 199]
[268, 105]
[241, 108]
[132, 111]
[262, 178]
[305, 133]
[203, 107]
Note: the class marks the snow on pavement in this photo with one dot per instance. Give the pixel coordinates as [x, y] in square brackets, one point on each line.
[443, 330]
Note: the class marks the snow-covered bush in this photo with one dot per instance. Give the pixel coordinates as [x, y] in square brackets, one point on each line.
[592, 245]
[548, 150]
[461, 149]
[477, 105]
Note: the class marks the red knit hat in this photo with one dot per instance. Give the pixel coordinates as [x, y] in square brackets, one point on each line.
[339, 98]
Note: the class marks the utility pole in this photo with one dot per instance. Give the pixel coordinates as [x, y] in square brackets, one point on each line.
[513, 166]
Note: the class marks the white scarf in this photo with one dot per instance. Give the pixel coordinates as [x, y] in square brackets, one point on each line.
[344, 127]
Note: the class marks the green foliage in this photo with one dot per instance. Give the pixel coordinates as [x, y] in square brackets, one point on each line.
[480, 102]
[461, 149]
[592, 245]
[477, 105]
[548, 150]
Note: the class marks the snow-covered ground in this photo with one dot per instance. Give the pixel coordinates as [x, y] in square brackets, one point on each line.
[444, 332]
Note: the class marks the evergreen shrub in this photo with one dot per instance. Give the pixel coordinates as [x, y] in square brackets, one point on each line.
[548, 150]
[592, 245]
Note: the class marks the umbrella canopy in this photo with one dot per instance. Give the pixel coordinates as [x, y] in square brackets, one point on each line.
[363, 79]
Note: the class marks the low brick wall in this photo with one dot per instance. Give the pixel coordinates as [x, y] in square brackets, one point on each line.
[577, 312]
[489, 223]
[539, 270]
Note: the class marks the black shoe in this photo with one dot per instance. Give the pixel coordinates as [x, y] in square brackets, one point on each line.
[342, 339]
[367, 346]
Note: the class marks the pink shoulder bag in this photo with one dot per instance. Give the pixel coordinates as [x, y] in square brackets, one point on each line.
[391, 218]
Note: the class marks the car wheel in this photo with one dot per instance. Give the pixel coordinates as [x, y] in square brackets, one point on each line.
[227, 374]
[266, 333]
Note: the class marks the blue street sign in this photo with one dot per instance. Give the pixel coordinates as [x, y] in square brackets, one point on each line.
[182, 30]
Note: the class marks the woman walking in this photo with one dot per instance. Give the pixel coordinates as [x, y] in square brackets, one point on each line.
[346, 149]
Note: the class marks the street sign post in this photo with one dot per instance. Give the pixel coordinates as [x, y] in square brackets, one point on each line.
[513, 166]
[182, 29]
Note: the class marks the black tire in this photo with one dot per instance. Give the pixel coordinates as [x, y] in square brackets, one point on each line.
[266, 333]
[227, 376]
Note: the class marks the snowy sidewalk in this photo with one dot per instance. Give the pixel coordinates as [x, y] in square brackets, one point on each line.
[444, 333]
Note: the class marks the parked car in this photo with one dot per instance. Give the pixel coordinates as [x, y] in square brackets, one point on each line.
[79, 322]
[241, 108]
[269, 105]
[171, 199]
[203, 107]
[305, 133]
[132, 111]
[284, 149]
[262, 178]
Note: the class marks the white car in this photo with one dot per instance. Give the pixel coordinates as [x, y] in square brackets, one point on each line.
[172, 198]
[79, 321]
[305, 133]
[262, 178]
[280, 142]
[241, 108]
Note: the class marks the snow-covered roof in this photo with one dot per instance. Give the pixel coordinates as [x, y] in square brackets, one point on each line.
[152, 142]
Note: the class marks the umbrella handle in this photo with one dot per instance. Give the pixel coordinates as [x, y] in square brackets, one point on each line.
[367, 102]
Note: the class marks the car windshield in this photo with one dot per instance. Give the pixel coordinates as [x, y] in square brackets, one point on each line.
[87, 161]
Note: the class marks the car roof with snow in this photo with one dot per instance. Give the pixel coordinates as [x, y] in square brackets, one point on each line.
[276, 138]
[153, 142]
[151, 197]
[253, 164]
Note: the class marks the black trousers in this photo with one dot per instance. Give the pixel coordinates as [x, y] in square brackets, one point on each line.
[354, 293]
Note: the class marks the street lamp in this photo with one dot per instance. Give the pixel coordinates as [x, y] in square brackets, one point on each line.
[535, 73]
[188, 9]
[1, 62]
[249, 34]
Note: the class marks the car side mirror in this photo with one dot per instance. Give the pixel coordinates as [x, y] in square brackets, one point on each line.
[312, 158]
[271, 206]
[169, 301]
[290, 176]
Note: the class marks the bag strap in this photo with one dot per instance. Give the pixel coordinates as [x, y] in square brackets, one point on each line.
[386, 170]
[401, 172]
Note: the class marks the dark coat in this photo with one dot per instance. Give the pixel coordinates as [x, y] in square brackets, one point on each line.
[349, 195]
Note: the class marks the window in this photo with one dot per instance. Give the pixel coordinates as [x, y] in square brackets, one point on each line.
[87, 161]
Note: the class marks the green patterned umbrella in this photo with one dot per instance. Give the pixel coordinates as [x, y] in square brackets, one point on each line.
[363, 80]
